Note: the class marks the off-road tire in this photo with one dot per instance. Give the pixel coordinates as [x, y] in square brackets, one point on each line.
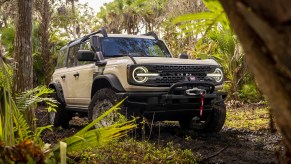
[61, 117]
[213, 123]
[108, 98]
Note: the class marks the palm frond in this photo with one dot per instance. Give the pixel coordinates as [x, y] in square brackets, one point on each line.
[38, 131]
[7, 111]
[196, 16]
[94, 137]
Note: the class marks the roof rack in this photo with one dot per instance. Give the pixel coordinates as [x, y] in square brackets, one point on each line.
[153, 34]
[101, 31]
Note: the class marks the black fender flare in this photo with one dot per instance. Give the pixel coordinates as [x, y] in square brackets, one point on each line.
[59, 91]
[104, 81]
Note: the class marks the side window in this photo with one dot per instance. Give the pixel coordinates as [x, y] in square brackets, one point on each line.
[72, 58]
[85, 46]
[61, 62]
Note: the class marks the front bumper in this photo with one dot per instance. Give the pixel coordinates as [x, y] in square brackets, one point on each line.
[174, 104]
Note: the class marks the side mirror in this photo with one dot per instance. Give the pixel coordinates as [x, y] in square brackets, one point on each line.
[86, 55]
[94, 41]
[183, 56]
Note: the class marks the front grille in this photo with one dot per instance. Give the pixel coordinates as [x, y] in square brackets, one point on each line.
[182, 68]
[170, 74]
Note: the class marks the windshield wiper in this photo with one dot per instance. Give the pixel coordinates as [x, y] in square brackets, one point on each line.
[131, 57]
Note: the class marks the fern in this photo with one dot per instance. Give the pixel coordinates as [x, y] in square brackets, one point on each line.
[36, 95]
[21, 126]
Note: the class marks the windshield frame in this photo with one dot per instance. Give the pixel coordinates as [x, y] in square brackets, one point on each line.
[161, 43]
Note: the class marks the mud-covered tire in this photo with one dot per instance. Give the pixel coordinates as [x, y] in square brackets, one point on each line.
[61, 117]
[217, 119]
[102, 101]
[213, 123]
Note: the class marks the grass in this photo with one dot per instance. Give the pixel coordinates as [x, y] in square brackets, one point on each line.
[247, 118]
[131, 151]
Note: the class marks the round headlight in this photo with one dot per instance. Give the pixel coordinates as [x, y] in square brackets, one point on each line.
[217, 75]
[139, 70]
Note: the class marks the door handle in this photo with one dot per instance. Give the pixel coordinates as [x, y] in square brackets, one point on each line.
[63, 76]
[76, 74]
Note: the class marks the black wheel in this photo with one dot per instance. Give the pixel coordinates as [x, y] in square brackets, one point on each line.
[213, 122]
[102, 101]
[61, 117]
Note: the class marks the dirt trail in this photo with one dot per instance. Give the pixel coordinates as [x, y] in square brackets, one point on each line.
[228, 146]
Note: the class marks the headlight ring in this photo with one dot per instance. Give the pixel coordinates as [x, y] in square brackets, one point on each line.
[139, 70]
[217, 75]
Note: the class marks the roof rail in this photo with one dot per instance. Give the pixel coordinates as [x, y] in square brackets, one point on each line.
[101, 31]
[153, 34]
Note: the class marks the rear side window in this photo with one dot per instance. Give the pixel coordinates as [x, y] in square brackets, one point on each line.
[85, 46]
[72, 58]
[61, 62]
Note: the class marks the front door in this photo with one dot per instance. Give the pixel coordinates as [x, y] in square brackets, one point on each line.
[79, 77]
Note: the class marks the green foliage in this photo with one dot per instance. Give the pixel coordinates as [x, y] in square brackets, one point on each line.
[6, 117]
[7, 105]
[6, 78]
[7, 38]
[249, 93]
[205, 21]
[131, 151]
[65, 18]
[13, 127]
[218, 40]
[34, 96]
[88, 137]
[123, 15]
[248, 118]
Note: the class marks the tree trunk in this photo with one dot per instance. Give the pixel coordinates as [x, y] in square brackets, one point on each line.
[44, 39]
[23, 75]
[264, 29]
[74, 19]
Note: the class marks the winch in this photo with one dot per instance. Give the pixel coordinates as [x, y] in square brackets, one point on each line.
[195, 91]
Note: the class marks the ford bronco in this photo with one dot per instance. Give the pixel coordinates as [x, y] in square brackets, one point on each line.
[96, 71]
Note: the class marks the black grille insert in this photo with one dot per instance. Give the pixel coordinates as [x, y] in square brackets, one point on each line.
[170, 74]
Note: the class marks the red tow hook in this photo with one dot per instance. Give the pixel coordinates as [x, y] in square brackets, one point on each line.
[202, 103]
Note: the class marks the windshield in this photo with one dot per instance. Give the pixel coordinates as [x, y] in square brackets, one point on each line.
[136, 47]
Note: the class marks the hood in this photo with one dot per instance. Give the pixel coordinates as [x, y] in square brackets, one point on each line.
[159, 60]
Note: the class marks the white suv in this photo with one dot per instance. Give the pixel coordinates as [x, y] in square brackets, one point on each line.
[97, 70]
